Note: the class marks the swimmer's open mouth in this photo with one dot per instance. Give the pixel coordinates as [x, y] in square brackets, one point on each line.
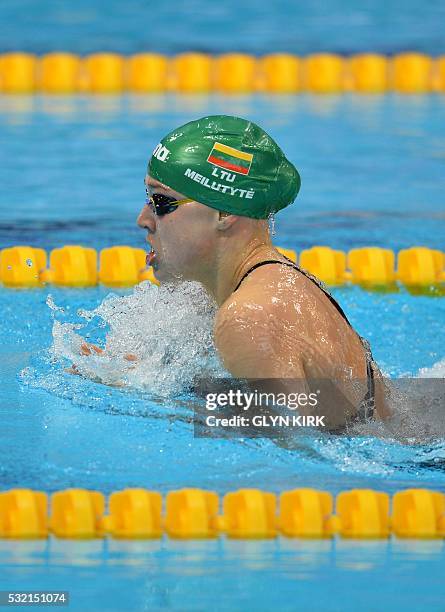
[150, 257]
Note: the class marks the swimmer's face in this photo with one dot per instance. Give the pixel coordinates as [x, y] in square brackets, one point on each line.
[182, 241]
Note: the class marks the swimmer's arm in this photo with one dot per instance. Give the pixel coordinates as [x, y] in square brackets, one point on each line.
[252, 342]
[257, 343]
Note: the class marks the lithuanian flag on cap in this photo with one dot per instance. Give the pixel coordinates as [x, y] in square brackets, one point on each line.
[230, 159]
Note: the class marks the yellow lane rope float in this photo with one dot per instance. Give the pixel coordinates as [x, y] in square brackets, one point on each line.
[189, 513]
[322, 73]
[124, 266]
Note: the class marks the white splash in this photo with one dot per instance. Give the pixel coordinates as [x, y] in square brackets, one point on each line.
[167, 329]
[435, 371]
[52, 305]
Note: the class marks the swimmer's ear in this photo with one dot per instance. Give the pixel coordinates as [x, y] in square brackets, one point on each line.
[225, 220]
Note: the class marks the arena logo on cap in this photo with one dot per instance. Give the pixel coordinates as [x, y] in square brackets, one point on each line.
[161, 152]
[230, 159]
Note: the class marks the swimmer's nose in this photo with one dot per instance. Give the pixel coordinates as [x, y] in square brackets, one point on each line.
[146, 220]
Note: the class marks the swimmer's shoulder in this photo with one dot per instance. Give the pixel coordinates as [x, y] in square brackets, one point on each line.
[259, 296]
[285, 301]
[256, 315]
[247, 306]
[250, 336]
[296, 296]
[278, 290]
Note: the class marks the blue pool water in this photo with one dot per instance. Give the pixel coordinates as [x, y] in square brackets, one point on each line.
[341, 26]
[71, 171]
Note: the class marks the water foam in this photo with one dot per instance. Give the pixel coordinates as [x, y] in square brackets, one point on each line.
[435, 371]
[168, 329]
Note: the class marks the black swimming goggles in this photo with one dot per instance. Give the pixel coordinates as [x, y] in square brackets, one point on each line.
[162, 204]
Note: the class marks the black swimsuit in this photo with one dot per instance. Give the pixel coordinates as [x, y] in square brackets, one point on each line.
[367, 405]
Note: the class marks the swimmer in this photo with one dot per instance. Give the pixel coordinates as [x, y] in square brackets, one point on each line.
[211, 187]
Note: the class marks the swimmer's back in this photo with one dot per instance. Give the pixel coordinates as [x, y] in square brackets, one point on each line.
[296, 317]
[280, 324]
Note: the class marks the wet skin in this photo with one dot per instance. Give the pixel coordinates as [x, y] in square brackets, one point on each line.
[278, 324]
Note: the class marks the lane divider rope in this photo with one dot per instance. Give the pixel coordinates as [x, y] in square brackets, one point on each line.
[419, 268]
[247, 513]
[405, 73]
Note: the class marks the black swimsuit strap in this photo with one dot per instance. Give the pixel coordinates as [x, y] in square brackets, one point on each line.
[291, 264]
[258, 265]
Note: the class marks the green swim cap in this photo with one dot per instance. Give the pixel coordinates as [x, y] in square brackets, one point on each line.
[227, 163]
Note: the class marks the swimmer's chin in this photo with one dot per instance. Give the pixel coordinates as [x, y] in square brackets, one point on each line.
[161, 275]
[164, 275]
